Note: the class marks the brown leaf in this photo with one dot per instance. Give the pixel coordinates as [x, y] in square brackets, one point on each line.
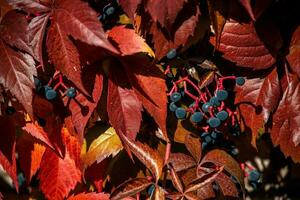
[240, 44]
[193, 145]
[30, 6]
[285, 130]
[159, 193]
[130, 187]
[175, 179]
[256, 100]
[181, 161]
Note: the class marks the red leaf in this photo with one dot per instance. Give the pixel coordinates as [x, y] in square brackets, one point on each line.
[163, 44]
[149, 86]
[30, 155]
[16, 74]
[89, 196]
[82, 107]
[164, 11]
[130, 6]
[64, 55]
[128, 41]
[241, 45]
[58, 176]
[10, 168]
[123, 107]
[293, 57]
[80, 21]
[193, 145]
[30, 6]
[11, 22]
[256, 10]
[36, 32]
[256, 100]
[285, 130]
[181, 161]
[96, 174]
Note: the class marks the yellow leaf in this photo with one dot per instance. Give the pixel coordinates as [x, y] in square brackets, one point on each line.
[108, 143]
[124, 19]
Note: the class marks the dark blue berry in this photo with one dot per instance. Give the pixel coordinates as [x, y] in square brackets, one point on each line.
[46, 88]
[110, 10]
[205, 107]
[197, 117]
[222, 115]
[234, 151]
[51, 94]
[204, 145]
[214, 101]
[240, 81]
[21, 179]
[37, 83]
[254, 185]
[175, 97]
[214, 135]
[171, 54]
[10, 110]
[180, 113]
[204, 134]
[41, 122]
[172, 106]
[213, 122]
[71, 92]
[254, 176]
[222, 95]
[208, 139]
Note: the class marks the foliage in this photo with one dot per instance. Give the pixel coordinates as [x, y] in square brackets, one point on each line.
[123, 99]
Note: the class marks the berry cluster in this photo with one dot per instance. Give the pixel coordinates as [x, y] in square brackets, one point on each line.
[253, 175]
[51, 92]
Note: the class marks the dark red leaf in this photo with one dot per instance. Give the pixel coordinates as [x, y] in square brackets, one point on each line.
[130, 6]
[58, 176]
[176, 179]
[256, 10]
[16, 74]
[130, 187]
[149, 86]
[123, 106]
[64, 55]
[36, 32]
[164, 11]
[30, 6]
[30, 155]
[80, 21]
[285, 130]
[82, 107]
[293, 57]
[13, 30]
[241, 45]
[256, 100]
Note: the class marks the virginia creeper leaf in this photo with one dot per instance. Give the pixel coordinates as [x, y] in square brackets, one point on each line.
[241, 45]
[181, 161]
[80, 21]
[130, 187]
[293, 57]
[58, 176]
[108, 143]
[89, 196]
[30, 6]
[130, 6]
[193, 145]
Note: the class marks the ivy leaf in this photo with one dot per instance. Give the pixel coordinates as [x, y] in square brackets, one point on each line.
[149, 86]
[30, 6]
[36, 33]
[149, 157]
[64, 55]
[16, 74]
[58, 176]
[80, 21]
[293, 57]
[30, 155]
[164, 11]
[128, 41]
[89, 196]
[241, 45]
[256, 100]
[108, 143]
[285, 130]
[130, 187]
[123, 106]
